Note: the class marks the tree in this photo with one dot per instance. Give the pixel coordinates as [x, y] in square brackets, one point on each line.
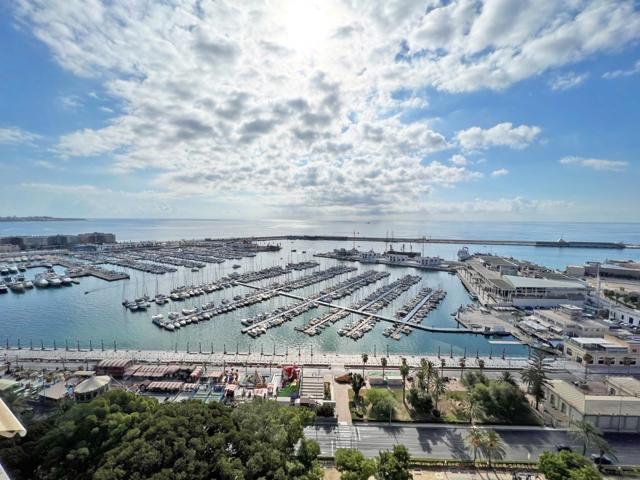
[443, 363]
[394, 465]
[567, 465]
[365, 359]
[463, 363]
[352, 464]
[508, 378]
[492, 446]
[587, 359]
[120, 435]
[420, 377]
[535, 376]
[627, 362]
[382, 402]
[439, 388]
[357, 382]
[471, 408]
[383, 362]
[430, 373]
[404, 372]
[586, 433]
[420, 400]
[474, 439]
[481, 365]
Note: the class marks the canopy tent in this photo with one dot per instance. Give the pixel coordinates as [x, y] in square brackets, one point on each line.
[9, 424]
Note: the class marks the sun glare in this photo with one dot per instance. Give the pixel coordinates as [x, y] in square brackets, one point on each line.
[308, 25]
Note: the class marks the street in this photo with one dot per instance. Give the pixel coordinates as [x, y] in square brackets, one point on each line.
[447, 442]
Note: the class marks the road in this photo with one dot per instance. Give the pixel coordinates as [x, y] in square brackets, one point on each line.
[447, 442]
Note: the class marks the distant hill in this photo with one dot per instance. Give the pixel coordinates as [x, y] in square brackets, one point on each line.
[37, 219]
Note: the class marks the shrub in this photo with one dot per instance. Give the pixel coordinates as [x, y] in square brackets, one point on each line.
[325, 410]
[382, 402]
[420, 400]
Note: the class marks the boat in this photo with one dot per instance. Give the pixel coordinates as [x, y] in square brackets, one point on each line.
[4, 271]
[54, 281]
[66, 281]
[17, 287]
[13, 269]
[195, 269]
[3, 288]
[28, 284]
[173, 315]
[22, 268]
[235, 265]
[189, 311]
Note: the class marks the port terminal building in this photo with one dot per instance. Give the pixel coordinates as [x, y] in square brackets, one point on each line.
[500, 281]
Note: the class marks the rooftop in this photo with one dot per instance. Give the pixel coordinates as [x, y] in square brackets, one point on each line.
[531, 282]
[9, 424]
[589, 404]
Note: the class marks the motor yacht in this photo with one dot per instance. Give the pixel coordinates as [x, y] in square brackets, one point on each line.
[3, 288]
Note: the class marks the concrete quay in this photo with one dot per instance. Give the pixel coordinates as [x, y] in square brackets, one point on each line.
[308, 358]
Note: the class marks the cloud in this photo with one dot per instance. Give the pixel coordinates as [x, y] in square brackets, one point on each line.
[15, 136]
[596, 163]
[623, 73]
[503, 134]
[222, 99]
[501, 172]
[70, 102]
[459, 160]
[567, 80]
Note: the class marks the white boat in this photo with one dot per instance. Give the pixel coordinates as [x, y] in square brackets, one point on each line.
[54, 281]
[189, 311]
[13, 269]
[67, 281]
[28, 284]
[17, 287]
[173, 315]
[42, 282]
[3, 288]
[169, 326]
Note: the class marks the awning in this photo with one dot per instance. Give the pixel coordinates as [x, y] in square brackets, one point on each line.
[9, 424]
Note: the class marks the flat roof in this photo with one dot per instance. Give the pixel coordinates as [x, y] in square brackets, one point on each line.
[630, 384]
[9, 424]
[531, 282]
[587, 404]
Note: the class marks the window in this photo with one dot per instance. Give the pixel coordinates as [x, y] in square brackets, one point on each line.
[563, 407]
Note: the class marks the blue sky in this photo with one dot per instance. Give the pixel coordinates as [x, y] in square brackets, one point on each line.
[495, 109]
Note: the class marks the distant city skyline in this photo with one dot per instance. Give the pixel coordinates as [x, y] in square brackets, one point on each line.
[447, 110]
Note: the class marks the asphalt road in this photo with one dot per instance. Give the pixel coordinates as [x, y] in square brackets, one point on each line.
[447, 442]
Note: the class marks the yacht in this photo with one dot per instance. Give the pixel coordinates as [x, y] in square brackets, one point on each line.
[22, 268]
[66, 281]
[195, 269]
[235, 265]
[17, 286]
[3, 288]
[53, 280]
[28, 284]
[4, 271]
[157, 319]
[42, 282]
[13, 269]
[173, 315]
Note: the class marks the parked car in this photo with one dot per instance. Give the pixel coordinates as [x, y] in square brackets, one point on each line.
[601, 459]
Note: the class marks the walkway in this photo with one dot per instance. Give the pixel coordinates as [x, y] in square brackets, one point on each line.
[341, 391]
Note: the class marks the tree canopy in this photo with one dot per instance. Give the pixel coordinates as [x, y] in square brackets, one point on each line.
[567, 466]
[124, 436]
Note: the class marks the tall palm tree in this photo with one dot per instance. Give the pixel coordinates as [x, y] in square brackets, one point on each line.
[475, 440]
[492, 446]
[587, 434]
[431, 372]
[383, 362]
[463, 364]
[357, 382]
[404, 371]
[439, 388]
[420, 377]
[587, 359]
[508, 378]
[365, 359]
[481, 365]
[535, 376]
[471, 408]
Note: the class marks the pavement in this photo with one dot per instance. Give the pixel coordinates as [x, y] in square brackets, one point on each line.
[446, 442]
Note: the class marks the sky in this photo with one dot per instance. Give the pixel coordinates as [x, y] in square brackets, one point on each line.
[433, 109]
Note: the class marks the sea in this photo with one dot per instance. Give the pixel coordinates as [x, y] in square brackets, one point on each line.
[91, 313]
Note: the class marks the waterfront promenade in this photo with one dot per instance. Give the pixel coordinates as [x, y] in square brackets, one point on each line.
[301, 357]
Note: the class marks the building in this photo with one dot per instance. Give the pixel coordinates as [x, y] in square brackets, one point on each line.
[619, 349]
[565, 403]
[113, 367]
[90, 388]
[626, 386]
[626, 315]
[570, 321]
[509, 282]
[39, 242]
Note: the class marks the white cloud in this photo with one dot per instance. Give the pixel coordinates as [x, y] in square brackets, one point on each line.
[297, 102]
[596, 163]
[70, 102]
[15, 135]
[567, 80]
[501, 172]
[623, 73]
[503, 134]
[459, 160]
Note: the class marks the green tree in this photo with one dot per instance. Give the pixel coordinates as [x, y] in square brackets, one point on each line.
[382, 402]
[394, 465]
[404, 372]
[471, 408]
[443, 363]
[507, 377]
[365, 359]
[420, 379]
[481, 365]
[352, 464]
[463, 363]
[474, 440]
[357, 382]
[492, 446]
[535, 376]
[383, 362]
[420, 400]
[587, 434]
[439, 388]
[567, 465]
[430, 373]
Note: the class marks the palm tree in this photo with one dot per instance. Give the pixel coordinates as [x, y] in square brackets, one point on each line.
[462, 363]
[471, 408]
[508, 378]
[475, 440]
[357, 382]
[535, 376]
[431, 372]
[608, 361]
[492, 446]
[365, 359]
[439, 388]
[420, 378]
[626, 361]
[383, 362]
[481, 365]
[587, 434]
[587, 359]
[404, 371]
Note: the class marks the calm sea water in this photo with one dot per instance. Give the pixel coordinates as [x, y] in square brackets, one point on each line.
[68, 314]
